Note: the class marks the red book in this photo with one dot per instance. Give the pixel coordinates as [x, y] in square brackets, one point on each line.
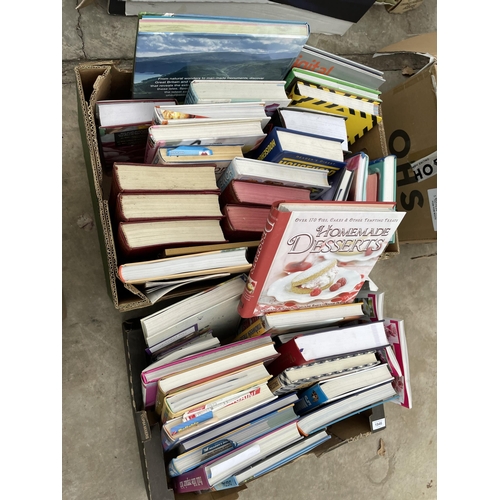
[372, 181]
[316, 253]
[244, 222]
[253, 193]
[306, 348]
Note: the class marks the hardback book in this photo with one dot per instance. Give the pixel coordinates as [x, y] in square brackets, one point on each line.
[246, 133]
[146, 178]
[252, 193]
[384, 170]
[327, 414]
[241, 421]
[155, 290]
[144, 240]
[330, 390]
[301, 149]
[299, 377]
[306, 348]
[195, 313]
[123, 143]
[243, 222]
[303, 75]
[211, 394]
[325, 63]
[396, 335]
[297, 320]
[271, 92]
[220, 468]
[316, 253]
[233, 260]
[218, 156]
[358, 164]
[231, 110]
[111, 113]
[310, 121]
[173, 50]
[179, 428]
[267, 172]
[340, 185]
[275, 460]
[373, 303]
[231, 440]
[362, 114]
[203, 341]
[171, 252]
[139, 207]
[161, 380]
[372, 187]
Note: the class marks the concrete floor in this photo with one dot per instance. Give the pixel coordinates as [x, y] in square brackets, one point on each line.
[100, 458]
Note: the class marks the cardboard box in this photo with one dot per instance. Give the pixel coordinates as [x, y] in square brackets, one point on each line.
[410, 123]
[148, 428]
[107, 81]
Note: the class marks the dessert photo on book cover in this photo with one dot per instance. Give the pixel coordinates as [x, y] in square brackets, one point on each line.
[321, 259]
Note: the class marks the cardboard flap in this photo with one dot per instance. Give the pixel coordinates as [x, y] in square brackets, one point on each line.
[425, 44]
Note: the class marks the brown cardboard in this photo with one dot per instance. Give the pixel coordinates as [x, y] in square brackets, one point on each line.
[410, 123]
[148, 429]
[105, 80]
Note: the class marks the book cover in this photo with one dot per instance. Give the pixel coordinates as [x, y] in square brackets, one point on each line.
[170, 51]
[316, 253]
[262, 411]
[396, 336]
[358, 122]
[301, 149]
[326, 63]
[303, 75]
[340, 185]
[385, 171]
[219, 469]
[231, 440]
[308, 347]
[252, 193]
[267, 172]
[358, 165]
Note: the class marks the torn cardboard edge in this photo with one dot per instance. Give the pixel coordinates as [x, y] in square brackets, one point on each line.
[106, 80]
[148, 429]
[400, 6]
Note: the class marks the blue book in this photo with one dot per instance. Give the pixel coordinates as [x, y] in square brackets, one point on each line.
[274, 461]
[302, 149]
[231, 440]
[327, 414]
[340, 387]
[234, 423]
[173, 50]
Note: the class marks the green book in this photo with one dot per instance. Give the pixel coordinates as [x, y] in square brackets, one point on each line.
[304, 75]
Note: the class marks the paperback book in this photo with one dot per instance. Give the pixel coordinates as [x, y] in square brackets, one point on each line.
[315, 253]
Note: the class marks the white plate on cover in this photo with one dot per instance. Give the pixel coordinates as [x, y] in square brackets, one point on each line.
[281, 289]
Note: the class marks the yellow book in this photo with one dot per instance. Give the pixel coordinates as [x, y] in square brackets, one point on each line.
[362, 114]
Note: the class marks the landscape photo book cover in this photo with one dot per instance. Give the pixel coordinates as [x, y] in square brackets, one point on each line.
[165, 62]
[316, 257]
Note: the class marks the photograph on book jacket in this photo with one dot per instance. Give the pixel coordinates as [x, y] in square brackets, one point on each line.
[322, 259]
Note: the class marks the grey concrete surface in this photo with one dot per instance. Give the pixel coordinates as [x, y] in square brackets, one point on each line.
[100, 459]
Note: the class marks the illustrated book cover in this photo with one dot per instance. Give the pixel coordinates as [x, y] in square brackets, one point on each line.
[172, 50]
[316, 253]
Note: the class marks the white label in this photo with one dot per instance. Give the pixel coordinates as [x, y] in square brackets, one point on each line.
[378, 424]
[433, 204]
[425, 167]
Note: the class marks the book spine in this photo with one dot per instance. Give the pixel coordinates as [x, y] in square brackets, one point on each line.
[228, 175]
[269, 148]
[255, 327]
[289, 355]
[311, 398]
[270, 239]
[194, 480]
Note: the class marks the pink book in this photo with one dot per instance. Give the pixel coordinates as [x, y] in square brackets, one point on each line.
[395, 331]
